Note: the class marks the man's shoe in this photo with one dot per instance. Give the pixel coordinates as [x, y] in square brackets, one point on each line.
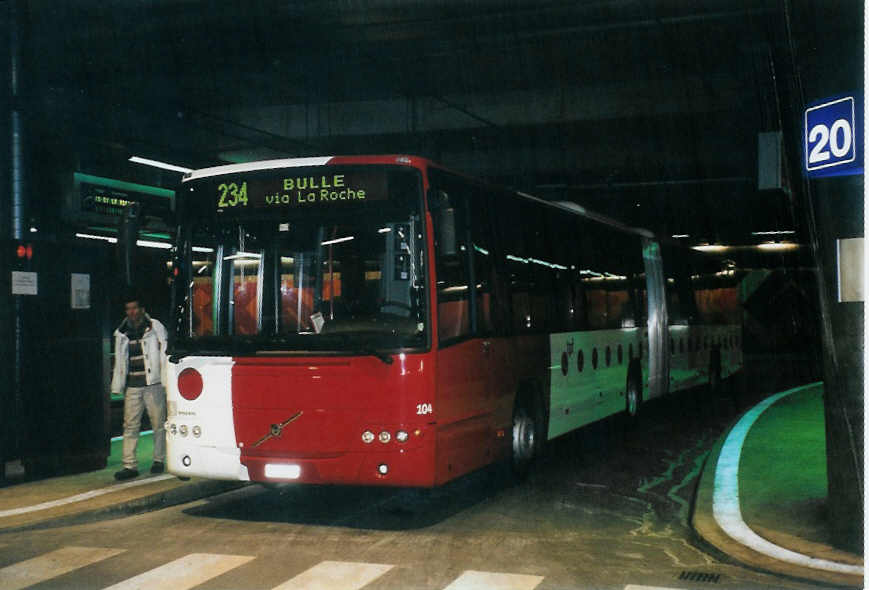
[126, 473]
[157, 467]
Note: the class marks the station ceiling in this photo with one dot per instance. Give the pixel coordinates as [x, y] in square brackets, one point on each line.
[649, 110]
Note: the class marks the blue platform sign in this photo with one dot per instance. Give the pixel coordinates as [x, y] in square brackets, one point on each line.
[833, 133]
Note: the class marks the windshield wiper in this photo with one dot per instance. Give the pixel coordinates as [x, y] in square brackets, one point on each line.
[386, 358]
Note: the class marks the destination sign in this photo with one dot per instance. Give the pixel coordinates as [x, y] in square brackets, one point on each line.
[295, 190]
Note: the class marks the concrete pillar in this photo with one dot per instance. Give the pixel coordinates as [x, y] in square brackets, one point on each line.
[823, 45]
[13, 221]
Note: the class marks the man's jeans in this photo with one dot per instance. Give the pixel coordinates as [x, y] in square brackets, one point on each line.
[136, 399]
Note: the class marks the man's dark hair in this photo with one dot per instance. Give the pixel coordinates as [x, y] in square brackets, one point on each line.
[131, 294]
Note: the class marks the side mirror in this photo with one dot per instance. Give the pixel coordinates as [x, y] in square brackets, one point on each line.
[445, 218]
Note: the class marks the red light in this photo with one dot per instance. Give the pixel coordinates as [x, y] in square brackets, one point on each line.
[21, 251]
[29, 252]
[190, 384]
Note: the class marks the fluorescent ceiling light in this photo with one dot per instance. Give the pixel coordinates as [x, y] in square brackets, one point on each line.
[681, 235]
[203, 249]
[337, 240]
[773, 233]
[109, 239]
[158, 164]
[711, 248]
[242, 255]
[140, 243]
[152, 244]
[778, 246]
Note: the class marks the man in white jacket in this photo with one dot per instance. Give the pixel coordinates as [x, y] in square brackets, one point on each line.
[140, 373]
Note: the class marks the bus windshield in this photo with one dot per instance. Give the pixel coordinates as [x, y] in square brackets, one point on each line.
[296, 266]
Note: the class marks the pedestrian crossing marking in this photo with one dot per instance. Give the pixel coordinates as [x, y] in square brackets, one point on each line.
[183, 573]
[336, 575]
[196, 568]
[51, 565]
[473, 580]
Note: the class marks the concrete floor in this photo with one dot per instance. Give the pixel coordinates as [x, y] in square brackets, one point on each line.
[606, 508]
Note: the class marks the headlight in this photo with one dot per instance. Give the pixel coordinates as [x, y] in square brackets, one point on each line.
[182, 430]
[384, 437]
[401, 436]
[197, 431]
[368, 437]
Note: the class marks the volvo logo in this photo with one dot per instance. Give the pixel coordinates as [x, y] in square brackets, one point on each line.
[275, 430]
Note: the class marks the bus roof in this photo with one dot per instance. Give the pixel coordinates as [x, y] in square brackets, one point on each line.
[398, 159]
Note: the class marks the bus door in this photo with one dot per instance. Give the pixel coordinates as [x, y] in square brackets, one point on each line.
[657, 344]
[464, 367]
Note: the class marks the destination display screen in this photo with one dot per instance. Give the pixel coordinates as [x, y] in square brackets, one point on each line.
[291, 189]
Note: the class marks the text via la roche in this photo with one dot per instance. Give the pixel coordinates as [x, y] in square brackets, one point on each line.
[320, 196]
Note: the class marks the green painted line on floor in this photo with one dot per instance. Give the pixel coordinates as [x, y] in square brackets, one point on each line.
[725, 496]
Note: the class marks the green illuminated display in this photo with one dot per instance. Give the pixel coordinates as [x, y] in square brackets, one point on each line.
[232, 195]
[282, 191]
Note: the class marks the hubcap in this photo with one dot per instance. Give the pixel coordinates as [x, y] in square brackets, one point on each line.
[632, 400]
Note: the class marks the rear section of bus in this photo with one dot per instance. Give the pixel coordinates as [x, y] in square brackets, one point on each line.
[301, 348]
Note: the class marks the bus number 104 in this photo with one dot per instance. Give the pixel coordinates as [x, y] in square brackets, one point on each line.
[232, 195]
[423, 409]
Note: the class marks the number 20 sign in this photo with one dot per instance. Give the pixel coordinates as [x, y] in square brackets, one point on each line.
[832, 138]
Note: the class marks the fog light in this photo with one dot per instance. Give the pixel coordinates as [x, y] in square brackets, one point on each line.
[401, 436]
[197, 431]
[182, 430]
[173, 429]
[384, 437]
[186, 461]
[368, 437]
[383, 469]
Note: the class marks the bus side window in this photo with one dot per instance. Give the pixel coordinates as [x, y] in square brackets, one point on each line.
[483, 256]
[681, 305]
[610, 269]
[565, 309]
[514, 258]
[449, 206]
[539, 268]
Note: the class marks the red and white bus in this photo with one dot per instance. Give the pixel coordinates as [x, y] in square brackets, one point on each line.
[380, 320]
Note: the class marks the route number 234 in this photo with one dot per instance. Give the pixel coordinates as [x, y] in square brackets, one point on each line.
[423, 409]
[232, 195]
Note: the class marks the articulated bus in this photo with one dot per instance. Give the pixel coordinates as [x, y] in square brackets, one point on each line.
[381, 320]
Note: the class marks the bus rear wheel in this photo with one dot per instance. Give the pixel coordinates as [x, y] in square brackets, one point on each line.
[526, 438]
[633, 393]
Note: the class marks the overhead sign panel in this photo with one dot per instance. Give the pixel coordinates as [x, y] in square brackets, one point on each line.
[98, 200]
[833, 137]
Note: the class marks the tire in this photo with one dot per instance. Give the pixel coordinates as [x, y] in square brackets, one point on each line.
[633, 393]
[526, 436]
